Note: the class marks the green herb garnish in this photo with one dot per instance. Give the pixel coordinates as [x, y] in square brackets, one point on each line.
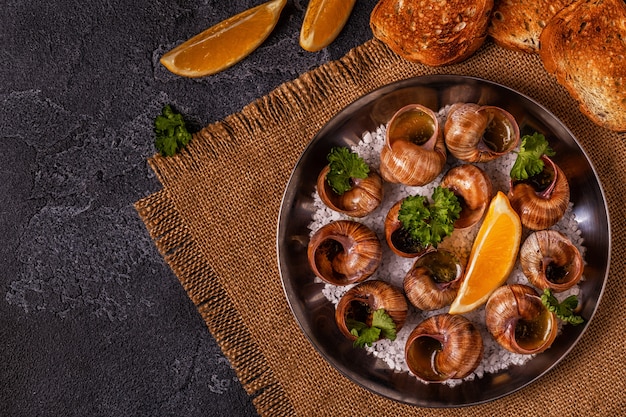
[171, 132]
[430, 223]
[528, 162]
[345, 165]
[382, 327]
[563, 310]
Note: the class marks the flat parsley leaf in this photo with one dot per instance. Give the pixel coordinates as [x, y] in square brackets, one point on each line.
[345, 165]
[366, 336]
[171, 132]
[383, 321]
[563, 310]
[382, 327]
[430, 223]
[528, 162]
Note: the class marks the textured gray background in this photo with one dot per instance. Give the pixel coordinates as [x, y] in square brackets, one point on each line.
[92, 321]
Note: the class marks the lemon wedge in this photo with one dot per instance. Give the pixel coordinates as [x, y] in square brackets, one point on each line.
[225, 44]
[323, 21]
[493, 255]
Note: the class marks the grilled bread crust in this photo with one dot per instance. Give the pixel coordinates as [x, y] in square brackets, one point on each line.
[517, 24]
[432, 32]
[584, 46]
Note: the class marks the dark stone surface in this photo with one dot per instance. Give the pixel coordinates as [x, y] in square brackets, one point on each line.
[92, 320]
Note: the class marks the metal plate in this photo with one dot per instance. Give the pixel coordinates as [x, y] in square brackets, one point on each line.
[315, 314]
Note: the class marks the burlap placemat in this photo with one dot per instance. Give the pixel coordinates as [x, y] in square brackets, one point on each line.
[214, 222]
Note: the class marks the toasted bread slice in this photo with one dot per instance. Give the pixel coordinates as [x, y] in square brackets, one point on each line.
[433, 32]
[517, 24]
[584, 46]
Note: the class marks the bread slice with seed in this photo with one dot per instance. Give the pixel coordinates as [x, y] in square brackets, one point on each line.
[584, 46]
[433, 32]
[517, 24]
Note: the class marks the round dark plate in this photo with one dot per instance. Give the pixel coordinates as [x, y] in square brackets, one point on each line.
[315, 314]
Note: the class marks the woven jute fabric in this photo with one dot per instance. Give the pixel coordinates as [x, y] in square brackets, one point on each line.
[215, 222]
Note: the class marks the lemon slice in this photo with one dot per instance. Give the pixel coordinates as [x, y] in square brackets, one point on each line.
[323, 21]
[492, 257]
[223, 45]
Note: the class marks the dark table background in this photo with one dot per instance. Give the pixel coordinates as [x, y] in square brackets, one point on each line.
[92, 320]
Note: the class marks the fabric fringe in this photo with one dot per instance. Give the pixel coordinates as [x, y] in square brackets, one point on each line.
[177, 247]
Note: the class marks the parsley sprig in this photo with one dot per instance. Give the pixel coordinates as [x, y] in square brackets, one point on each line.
[429, 223]
[564, 309]
[171, 132]
[345, 165]
[528, 162]
[382, 327]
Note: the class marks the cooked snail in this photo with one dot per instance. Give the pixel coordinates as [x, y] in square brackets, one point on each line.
[518, 320]
[398, 238]
[414, 152]
[344, 252]
[361, 301]
[473, 188]
[476, 133]
[550, 260]
[363, 198]
[542, 199]
[442, 347]
[433, 280]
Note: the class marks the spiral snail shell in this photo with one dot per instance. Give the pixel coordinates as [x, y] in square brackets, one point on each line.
[360, 302]
[414, 152]
[550, 260]
[541, 201]
[344, 252]
[433, 280]
[366, 194]
[475, 133]
[399, 239]
[444, 347]
[518, 320]
[473, 188]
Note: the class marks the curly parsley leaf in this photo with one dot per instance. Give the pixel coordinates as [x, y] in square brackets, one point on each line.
[430, 223]
[345, 165]
[528, 162]
[171, 132]
[415, 216]
[382, 327]
[564, 310]
[445, 210]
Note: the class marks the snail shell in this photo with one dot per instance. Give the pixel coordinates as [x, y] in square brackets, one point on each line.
[344, 252]
[473, 188]
[414, 152]
[476, 133]
[360, 302]
[442, 347]
[365, 195]
[433, 280]
[398, 239]
[518, 320]
[550, 260]
[541, 207]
